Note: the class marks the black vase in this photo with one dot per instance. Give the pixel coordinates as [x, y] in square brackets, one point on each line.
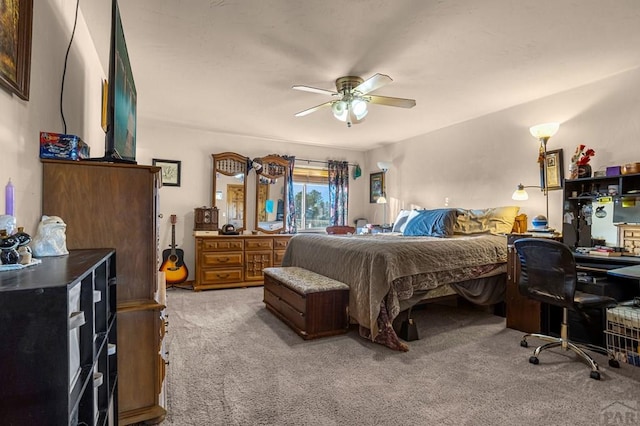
[584, 171]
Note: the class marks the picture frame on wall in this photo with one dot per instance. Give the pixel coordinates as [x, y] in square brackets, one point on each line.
[15, 46]
[376, 186]
[555, 173]
[171, 170]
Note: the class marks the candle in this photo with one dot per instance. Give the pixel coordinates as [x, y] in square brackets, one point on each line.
[8, 198]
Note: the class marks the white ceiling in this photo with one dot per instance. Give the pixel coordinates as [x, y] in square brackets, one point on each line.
[228, 65]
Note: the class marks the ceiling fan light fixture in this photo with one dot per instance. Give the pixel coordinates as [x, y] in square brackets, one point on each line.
[340, 110]
[359, 108]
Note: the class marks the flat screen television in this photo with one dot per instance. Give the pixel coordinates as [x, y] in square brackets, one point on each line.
[120, 142]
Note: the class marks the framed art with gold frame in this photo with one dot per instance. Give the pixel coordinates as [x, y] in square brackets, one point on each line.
[555, 174]
[16, 17]
[376, 186]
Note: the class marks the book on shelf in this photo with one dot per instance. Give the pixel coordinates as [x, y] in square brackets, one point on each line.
[605, 253]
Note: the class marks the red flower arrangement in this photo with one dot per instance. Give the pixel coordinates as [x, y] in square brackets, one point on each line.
[582, 157]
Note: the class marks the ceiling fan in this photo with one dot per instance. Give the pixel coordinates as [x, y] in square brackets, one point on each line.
[352, 97]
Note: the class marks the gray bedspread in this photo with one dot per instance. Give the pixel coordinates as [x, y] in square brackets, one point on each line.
[389, 268]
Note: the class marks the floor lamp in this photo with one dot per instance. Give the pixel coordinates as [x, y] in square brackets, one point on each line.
[543, 132]
[382, 199]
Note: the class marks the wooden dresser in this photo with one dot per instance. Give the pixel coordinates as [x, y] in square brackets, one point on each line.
[227, 261]
[107, 205]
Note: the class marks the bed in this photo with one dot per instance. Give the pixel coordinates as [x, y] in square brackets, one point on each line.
[387, 273]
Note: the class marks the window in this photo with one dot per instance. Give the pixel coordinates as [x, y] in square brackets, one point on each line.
[311, 195]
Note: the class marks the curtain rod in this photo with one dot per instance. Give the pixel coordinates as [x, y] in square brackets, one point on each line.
[322, 162]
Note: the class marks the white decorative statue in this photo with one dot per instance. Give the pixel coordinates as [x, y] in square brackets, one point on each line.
[8, 223]
[50, 239]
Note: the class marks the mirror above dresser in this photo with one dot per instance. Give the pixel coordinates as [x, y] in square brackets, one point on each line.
[229, 193]
[271, 200]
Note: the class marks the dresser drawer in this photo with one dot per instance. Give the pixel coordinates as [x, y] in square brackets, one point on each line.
[221, 259]
[222, 244]
[280, 243]
[220, 276]
[255, 262]
[278, 255]
[259, 244]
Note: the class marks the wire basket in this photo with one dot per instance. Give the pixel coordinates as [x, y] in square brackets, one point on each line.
[623, 333]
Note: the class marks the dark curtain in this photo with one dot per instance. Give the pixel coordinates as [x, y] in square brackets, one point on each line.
[339, 192]
[290, 223]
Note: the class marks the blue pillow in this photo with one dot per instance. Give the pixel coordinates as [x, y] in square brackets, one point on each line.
[432, 223]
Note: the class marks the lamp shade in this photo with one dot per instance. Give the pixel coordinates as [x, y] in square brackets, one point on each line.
[545, 130]
[359, 108]
[340, 110]
[381, 200]
[384, 165]
[520, 194]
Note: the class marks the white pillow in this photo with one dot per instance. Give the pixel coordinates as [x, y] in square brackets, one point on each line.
[401, 221]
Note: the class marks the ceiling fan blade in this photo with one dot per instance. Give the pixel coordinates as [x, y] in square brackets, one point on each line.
[315, 90]
[396, 102]
[313, 109]
[373, 83]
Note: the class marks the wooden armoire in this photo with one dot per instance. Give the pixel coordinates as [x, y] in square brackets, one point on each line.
[112, 205]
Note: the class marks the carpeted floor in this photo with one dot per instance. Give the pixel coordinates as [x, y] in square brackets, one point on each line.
[233, 363]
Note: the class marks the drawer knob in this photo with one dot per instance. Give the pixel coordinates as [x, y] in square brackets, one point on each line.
[223, 275]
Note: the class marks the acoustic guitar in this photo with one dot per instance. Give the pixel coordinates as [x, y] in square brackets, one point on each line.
[173, 266]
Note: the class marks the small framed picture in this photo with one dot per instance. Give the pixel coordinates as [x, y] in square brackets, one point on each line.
[376, 186]
[555, 173]
[170, 171]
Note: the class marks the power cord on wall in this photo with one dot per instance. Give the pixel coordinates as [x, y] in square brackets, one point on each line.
[64, 71]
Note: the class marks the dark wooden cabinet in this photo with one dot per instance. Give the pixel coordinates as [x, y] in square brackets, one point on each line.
[522, 313]
[59, 341]
[116, 206]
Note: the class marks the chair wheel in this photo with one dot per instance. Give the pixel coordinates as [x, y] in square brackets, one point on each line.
[534, 360]
[595, 375]
[524, 343]
[614, 363]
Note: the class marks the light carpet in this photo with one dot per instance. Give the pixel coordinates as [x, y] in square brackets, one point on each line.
[233, 363]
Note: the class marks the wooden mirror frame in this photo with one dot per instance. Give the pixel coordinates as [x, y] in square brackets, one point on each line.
[273, 167]
[230, 164]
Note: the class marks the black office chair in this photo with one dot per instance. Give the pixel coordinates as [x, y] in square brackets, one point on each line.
[548, 274]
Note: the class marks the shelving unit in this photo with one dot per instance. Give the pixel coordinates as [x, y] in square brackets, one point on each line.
[579, 193]
[59, 330]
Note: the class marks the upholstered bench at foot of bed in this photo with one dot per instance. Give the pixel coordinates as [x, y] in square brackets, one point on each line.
[311, 304]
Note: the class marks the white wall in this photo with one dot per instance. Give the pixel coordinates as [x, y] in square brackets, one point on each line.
[479, 163]
[22, 121]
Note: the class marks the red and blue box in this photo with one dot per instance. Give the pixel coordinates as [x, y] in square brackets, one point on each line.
[62, 147]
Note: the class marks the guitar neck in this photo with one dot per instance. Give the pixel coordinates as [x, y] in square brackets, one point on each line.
[173, 238]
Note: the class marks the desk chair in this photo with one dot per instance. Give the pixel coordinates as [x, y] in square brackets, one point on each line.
[548, 275]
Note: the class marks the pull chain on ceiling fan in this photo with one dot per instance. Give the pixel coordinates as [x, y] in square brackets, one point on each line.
[351, 105]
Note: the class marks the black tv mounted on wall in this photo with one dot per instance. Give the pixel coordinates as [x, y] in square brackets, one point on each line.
[120, 139]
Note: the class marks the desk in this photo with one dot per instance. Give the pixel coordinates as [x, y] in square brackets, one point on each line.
[628, 272]
[528, 315]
